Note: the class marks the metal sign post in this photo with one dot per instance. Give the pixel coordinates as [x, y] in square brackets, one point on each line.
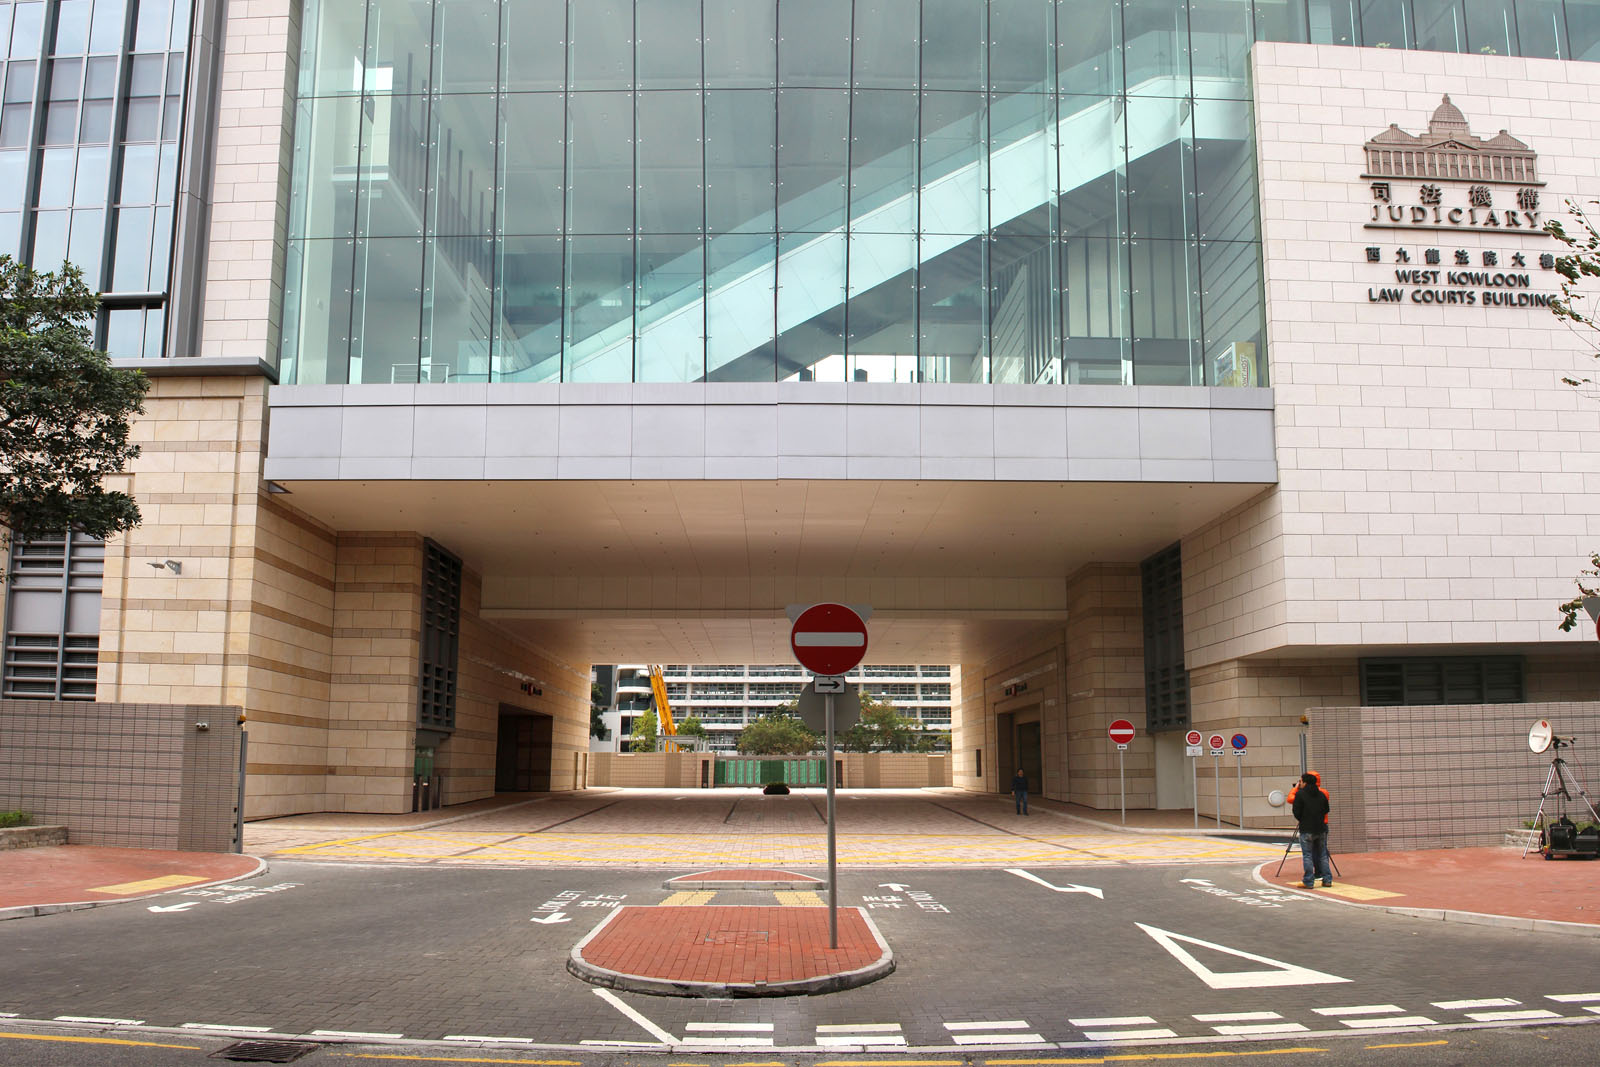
[833, 856]
[1192, 740]
[1122, 785]
[1239, 763]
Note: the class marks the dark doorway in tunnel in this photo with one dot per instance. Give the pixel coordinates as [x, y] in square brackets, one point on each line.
[523, 751]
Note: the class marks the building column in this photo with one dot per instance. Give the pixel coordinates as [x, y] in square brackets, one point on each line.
[1105, 682]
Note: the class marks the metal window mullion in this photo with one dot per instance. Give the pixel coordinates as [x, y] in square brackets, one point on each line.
[117, 135]
[849, 196]
[566, 192]
[429, 179]
[777, 179]
[705, 206]
[47, 33]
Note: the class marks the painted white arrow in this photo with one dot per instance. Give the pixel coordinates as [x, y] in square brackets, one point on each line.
[185, 906]
[1196, 881]
[556, 917]
[1068, 888]
[893, 886]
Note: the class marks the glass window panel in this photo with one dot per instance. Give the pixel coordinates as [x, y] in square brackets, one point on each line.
[670, 312]
[814, 43]
[49, 239]
[55, 177]
[27, 22]
[668, 51]
[160, 249]
[1023, 154]
[600, 163]
[1095, 312]
[1165, 298]
[1491, 27]
[154, 329]
[813, 149]
[150, 27]
[180, 24]
[19, 83]
[130, 268]
[953, 44]
[386, 310]
[529, 344]
[138, 177]
[171, 117]
[392, 174]
[317, 293]
[887, 33]
[1281, 20]
[1540, 31]
[741, 276]
[1225, 170]
[881, 315]
[534, 39]
[531, 138]
[94, 125]
[953, 310]
[1232, 306]
[1024, 301]
[1333, 21]
[466, 46]
[142, 120]
[100, 78]
[1156, 49]
[89, 185]
[125, 333]
[87, 243]
[105, 27]
[602, 44]
[333, 55]
[145, 75]
[883, 161]
[1386, 23]
[167, 174]
[13, 175]
[458, 306]
[11, 234]
[1440, 27]
[670, 146]
[461, 165]
[66, 79]
[15, 125]
[1220, 33]
[72, 27]
[399, 39]
[1021, 57]
[741, 43]
[811, 269]
[741, 159]
[61, 122]
[599, 310]
[954, 163]
[1161, 193]
[1583, 23]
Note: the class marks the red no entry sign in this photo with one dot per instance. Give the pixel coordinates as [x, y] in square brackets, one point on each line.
[1216, 742]
[1121, 731]
[828, 639]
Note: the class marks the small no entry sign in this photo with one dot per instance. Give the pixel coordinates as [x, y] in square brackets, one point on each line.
[828, 639]
[1121, 731]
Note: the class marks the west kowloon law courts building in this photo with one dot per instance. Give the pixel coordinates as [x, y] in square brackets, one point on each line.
[1184, 362]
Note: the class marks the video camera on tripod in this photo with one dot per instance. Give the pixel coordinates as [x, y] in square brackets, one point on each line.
[1559, 835]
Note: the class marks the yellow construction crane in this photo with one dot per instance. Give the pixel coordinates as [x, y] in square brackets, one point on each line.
[658, 686]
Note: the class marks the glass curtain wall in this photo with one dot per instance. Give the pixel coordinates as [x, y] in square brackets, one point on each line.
[89, 124]
[832, 190]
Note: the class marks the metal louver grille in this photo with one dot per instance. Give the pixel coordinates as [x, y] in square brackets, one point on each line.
[1451, 680]
[1166, 682]
[52, 631]
[441, 638]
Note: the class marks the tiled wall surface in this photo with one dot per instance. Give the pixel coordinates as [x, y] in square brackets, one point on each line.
[123, 775]
[1443, 776]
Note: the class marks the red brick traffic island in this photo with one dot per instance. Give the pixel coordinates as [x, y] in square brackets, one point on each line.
[744, 878]
[731, 951]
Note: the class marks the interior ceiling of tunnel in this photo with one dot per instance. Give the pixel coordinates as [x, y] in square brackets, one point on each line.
[535, 543]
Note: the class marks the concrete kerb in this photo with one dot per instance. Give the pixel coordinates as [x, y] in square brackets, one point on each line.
[663, 987]
[28, 911]
[1473, 918]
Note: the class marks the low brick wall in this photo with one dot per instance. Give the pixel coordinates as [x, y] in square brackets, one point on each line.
[1442, 776]
[13, 837]
[691, 770]
[895, 770]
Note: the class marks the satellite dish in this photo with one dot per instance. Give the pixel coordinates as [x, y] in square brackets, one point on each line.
[1540, 735]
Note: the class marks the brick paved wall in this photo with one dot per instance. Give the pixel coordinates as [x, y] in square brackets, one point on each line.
[123, 775]
[1105, 682]
[1441, 776]
[648, 770]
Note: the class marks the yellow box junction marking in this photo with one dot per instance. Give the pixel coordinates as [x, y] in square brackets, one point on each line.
[450, 1059]
[1356, 892]
[688, 898]
[166, 881]
[797, 898]
[94, 1041]
[1136, 1057]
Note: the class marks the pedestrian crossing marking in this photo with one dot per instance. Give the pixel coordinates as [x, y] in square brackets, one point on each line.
[1463, 1005]
[1361, 1009]
[1573, 998]
[797, 898]
[1511, 1016]
[1379, 1021]
[688, 898]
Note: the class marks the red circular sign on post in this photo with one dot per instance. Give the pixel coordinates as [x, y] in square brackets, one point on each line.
[828, 639]
[1192, 737]
[1217, 742]
[1121, 731]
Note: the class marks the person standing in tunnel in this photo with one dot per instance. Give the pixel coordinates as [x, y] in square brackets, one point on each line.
[1019, 791]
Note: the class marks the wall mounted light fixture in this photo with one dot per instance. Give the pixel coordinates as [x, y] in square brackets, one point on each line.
[170, 564]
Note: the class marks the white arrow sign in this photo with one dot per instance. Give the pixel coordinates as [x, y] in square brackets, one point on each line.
[185, 906]
[555, 917]
[1276, 972]
[893, 887]
[1195, 881]
[1068, 888]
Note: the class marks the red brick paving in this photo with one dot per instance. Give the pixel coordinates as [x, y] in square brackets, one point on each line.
[731, 945]
[68, 874]
[746, 874]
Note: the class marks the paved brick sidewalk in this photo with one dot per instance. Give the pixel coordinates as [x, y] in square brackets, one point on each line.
[34, 880]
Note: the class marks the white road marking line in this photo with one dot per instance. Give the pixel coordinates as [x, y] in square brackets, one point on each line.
[1573, 998]
[846, 1040]
[1511, 1016]
[1118, 1020]
[9, 1015]
[990, 1039]
[650, 1027]
[1593, 1009]
[1124, 1035]
[1237, 1017]
[1390, 1020]
[354, 1033]
[727, 1042]
[1260, 1028]
[227, 1029]
[850, 1028]
[619, 1044]
[97, 1019]
[495, 1040]
[741, 1028]
[1462, 1005]
[1009, 1024]
[1274, 973]
[1359, 1009]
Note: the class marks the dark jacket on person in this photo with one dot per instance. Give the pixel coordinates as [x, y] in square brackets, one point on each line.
[1019, 783]
[1311, 810]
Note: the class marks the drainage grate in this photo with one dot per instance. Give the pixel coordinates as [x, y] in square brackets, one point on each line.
[265, 1051]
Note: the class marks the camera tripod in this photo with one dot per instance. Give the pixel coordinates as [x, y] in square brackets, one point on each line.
[1556, 785]
[1289, 848]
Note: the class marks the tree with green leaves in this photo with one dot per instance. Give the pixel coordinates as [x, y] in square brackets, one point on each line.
[883, 729]
[776, 734]
[597, 708]
[65, 411]
[691, 727]
[645, 731]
